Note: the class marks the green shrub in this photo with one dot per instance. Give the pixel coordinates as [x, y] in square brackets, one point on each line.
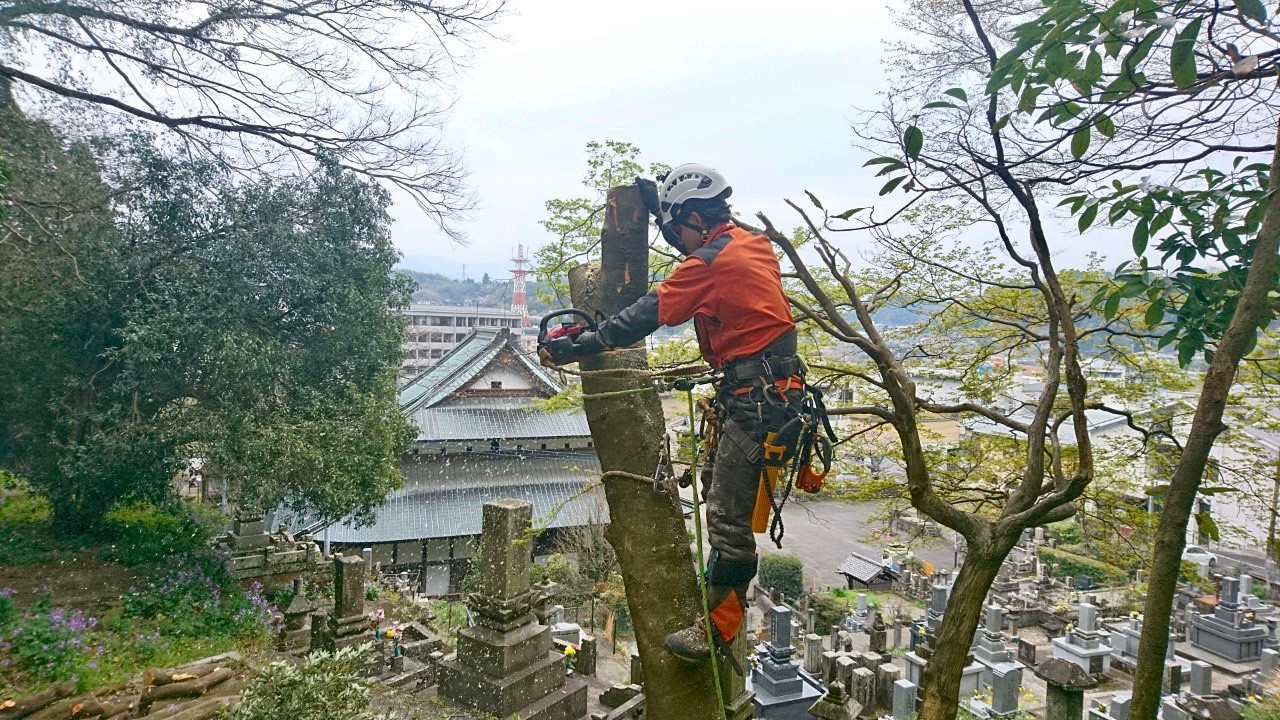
[561, 569]
[828, 610]
[783, 572]
[143, 533]
[1066, 532]
[332, 686]
[1076, 565]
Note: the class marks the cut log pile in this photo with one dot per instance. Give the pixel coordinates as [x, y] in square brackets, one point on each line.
[195, 691]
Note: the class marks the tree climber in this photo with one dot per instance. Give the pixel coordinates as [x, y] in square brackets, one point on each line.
[730, 285]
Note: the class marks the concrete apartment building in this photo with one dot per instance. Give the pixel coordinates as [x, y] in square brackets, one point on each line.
[434, 330]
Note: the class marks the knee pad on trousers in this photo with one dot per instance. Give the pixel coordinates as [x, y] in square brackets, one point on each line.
[730, 572]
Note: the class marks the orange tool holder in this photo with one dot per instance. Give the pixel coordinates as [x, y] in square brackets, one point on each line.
[773, 463]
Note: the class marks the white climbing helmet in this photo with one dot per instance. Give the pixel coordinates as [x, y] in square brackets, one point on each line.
[689, 182]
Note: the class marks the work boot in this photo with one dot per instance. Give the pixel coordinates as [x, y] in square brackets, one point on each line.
[689, 644]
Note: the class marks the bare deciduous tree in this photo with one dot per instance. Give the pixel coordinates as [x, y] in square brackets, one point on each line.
[358, 81]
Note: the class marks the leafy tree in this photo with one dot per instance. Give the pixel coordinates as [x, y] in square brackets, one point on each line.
[576, 222]
[179, 314]
[1182, 89]
[270, 82]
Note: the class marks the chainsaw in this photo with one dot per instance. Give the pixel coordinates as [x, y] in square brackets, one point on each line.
[566, 328]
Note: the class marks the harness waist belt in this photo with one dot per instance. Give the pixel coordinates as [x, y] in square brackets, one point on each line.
[776, 367]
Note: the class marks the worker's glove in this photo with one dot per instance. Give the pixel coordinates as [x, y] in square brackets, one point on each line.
[649, 194]
[565, 350]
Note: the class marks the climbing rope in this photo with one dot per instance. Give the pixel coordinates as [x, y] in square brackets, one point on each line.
[702, 570]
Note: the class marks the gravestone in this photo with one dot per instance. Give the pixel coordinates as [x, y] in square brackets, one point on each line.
[813, 654]
[904, 699]
[835, 705]
[886, 676]
[1000, 670]
[897, 633]
[1230, 631]
[781, 691]
[1083, 644]
[857, 620]
[1260, 680]
[878, 634]
[295, 635]
[1201, 678]
[347, 625]
[504, 663]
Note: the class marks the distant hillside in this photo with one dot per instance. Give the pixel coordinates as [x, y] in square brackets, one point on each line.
[435, 288]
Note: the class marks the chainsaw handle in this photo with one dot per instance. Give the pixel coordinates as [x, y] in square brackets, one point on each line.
[575, 312]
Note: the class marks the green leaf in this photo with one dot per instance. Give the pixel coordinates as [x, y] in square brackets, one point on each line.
[1105, 125]
[1080, 142]
[1155, 313]
[913, 139]
[957, 93]
[1207, 526]
[849, 213]
[882, 160]
[1093, 67]
[1182, 58]
[1253, 9]
[1112, 305]
[940, 104]
[814, 199]
[1087, 217]
[889, 186]
[1158, 490]
[1187, 349]
[1141, 233]
[1217, 490]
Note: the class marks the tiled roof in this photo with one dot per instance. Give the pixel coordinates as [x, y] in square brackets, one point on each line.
[465, 362]
[863, 568]
[461, 423]
[443, 498]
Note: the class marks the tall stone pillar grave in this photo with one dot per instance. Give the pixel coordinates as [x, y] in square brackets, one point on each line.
[505, 664]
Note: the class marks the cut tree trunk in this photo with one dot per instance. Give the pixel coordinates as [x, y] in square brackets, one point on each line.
[76, 708]
[198, 710]
[164, 676]
[1206, 425]
[945, 668]
[646, 529]
[184, 689]
[22, 707]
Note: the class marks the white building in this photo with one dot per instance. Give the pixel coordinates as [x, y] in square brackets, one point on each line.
[434, 330]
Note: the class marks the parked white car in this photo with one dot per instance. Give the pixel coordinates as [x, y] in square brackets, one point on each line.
[1199, 555]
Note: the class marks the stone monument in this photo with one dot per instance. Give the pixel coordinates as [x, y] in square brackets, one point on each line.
[504, 664]
[1230, 632]
[347, 625]
[1083, 644]
[782, 690]
[1000, 671]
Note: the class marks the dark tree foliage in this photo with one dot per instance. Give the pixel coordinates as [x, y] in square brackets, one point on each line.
[158, 311]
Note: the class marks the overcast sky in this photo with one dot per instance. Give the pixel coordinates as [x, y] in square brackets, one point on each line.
[764, 92]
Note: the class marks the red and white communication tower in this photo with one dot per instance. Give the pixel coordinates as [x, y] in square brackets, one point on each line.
[519, 298]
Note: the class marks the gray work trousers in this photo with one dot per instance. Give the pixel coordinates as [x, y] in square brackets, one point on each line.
[735, 476]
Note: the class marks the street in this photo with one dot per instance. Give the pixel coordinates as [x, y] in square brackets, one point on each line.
[822, 534]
